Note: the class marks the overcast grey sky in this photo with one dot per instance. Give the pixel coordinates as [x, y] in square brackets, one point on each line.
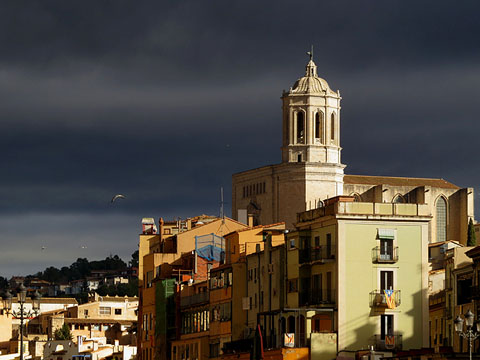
[163, 101]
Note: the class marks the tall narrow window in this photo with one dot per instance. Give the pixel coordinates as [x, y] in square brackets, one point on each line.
[386, 280]
[332, 127]
[386, 326]
[441, 212]
[319, 126]
[329, 294]
[300, 127]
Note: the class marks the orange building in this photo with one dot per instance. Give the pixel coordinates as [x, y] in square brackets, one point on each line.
[160, 258]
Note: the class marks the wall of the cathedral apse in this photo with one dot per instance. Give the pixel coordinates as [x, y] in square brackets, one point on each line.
[460, 204]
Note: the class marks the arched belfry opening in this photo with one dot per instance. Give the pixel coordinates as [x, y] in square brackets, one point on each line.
[319, 127]
[332, 126]
[300, 127]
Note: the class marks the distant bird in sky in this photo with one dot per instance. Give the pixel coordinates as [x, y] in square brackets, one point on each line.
[118, 196]
[43, 248]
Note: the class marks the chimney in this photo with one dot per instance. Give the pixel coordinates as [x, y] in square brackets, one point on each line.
[160, 228]
[250, 220]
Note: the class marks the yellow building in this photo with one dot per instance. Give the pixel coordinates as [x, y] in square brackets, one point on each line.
[358, 273]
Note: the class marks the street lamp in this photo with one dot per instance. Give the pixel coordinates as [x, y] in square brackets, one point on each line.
[22, 313]
[472, 332]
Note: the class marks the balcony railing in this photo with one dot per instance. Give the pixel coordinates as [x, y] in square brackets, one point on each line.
[317, 297]
[322, 253]
[199, 298]
[385, 255]
[378, 298]
[386, 342]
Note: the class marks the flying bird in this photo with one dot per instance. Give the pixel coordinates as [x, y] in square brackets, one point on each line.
[118, 196]
[43, 248]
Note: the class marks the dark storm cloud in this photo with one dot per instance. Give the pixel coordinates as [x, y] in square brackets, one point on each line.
[163, 101]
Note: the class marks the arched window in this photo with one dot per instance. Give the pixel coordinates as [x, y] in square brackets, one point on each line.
[319, 125]
[300, 127]
[357, 197]
[398, 199]
[441, 215]
[332, 127]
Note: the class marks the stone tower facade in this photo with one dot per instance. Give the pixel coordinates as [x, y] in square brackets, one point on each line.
[311, 168]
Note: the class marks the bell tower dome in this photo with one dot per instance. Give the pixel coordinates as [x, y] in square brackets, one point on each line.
[311, 120]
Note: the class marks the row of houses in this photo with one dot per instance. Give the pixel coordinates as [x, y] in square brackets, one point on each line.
[108, 322]
[352, 276]
[96, 279]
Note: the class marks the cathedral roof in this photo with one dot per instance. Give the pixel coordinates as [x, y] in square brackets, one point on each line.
[397, 181]
[311, 83]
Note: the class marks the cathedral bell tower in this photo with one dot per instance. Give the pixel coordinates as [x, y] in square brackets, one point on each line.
[311, 120]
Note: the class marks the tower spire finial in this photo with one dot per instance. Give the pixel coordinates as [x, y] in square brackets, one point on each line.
[310, 53]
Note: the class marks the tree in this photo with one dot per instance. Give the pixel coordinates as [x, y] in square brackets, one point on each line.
[134, 261]
[63, 333]
[471, 239]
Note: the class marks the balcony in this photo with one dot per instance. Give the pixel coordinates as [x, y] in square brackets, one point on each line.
[387, 255]
[320, 254]
[377, 298]
[196, 299]
[385, 342]
[317, 297]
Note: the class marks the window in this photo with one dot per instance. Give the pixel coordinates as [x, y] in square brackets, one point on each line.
[148, 279]
[214, 350]
[299, 158]
[300, 127]
[386, 238]
[318, 125]
[398, 199]
[118, 311]
[105, 310]
[329, 246]
[292, 285]
[441, 214]
[386, 280]
[386, 326]
[386, 249]
[292, 243]
[332, 127]
[329, 294]
[85, 312]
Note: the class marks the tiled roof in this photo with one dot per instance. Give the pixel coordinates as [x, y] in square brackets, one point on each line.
[397, 181]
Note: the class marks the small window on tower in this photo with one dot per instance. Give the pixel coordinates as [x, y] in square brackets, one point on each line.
[299, 158]
[332, 134]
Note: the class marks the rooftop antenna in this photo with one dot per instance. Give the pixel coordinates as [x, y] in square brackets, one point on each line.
[222, 215]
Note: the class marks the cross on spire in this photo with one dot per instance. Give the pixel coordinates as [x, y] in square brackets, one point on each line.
[310, 53]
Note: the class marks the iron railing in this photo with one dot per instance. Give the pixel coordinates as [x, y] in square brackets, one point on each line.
[322, 253]
[388, 342]
[385, 255]
[199, 298]
[378, 298]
